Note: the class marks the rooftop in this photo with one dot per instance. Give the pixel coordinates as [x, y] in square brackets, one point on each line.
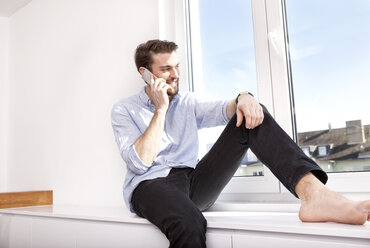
[336, 141]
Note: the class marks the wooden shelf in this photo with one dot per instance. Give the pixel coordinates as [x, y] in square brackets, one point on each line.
[25, 199]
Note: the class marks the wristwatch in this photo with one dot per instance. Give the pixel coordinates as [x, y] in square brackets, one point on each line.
[242, 93]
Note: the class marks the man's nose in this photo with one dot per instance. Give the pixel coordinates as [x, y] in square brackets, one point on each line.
[174, 73]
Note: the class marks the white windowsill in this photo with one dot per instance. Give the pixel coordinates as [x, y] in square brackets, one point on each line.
[281, 207]
[247, 220]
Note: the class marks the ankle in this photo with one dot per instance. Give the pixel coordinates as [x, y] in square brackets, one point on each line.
[308, 186]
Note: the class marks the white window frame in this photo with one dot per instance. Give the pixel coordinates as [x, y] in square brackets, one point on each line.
[273, 76]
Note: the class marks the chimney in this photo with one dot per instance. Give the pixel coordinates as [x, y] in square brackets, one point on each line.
[355, 132]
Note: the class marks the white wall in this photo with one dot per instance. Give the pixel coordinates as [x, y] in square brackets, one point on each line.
[70, 61]
[4, 29]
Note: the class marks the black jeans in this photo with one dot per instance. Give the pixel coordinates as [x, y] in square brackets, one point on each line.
[174, 203]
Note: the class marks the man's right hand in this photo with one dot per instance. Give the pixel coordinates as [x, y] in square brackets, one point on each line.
[158, 93]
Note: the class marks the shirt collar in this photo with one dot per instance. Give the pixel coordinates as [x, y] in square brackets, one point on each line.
[144, 97]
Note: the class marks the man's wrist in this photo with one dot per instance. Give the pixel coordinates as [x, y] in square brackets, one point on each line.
[162, 110]
[242, 93]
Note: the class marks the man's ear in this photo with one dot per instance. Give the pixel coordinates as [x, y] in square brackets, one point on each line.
[141, 70]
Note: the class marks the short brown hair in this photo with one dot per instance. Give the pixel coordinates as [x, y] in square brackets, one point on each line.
[143, 53]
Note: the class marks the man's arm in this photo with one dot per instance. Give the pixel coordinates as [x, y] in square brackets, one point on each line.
[147, 145]
[247, 108]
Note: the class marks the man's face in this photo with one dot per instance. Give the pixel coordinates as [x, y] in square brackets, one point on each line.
[166, 66]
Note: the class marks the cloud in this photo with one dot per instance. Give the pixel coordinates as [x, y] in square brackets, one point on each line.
[298, 54]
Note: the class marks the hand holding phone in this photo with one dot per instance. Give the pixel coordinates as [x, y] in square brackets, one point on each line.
[146, 76]
[158, 90]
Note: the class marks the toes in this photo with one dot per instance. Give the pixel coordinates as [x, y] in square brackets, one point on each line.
[365, 205]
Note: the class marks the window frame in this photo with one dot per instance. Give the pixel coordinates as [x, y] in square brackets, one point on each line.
[273, 76]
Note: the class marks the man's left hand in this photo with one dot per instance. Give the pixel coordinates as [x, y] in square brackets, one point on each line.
[249, 109]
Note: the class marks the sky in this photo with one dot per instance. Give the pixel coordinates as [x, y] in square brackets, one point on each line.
[329, 43]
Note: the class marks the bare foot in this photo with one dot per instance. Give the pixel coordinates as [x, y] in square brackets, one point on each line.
[319, 204]
[333, 207]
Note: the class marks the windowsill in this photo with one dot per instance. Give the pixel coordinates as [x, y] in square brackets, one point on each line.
[246, 220]
[226, 206]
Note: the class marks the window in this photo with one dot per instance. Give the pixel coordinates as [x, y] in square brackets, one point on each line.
[251, 158]
[322, 151]
[305, 83]
[250, 166]
[330, 76]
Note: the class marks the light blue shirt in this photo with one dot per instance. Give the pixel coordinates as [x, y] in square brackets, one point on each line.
[179, 147]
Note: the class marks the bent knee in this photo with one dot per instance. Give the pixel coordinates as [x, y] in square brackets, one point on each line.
[264, 108]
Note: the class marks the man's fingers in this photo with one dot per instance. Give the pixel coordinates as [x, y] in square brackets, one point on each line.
[243, 114]
[250, 110]
[154, 86]
[239, 118]
[165, 87]
[258, 116]
[253, 116]
[158, 85]
[248, 119]
[152, 82]
[262, 116]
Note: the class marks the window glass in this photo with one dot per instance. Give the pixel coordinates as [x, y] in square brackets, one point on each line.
[322, 150]
[306, 151]
[227, 60]
[330, 53]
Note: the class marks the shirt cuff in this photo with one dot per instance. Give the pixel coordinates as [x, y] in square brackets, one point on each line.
[224, 112]
[136, 161]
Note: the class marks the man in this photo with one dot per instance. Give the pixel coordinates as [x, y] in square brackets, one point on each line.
[156, 132]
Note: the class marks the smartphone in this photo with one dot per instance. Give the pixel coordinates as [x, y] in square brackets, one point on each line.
[146, 76]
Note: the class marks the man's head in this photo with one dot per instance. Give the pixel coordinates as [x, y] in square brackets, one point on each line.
[160, 58]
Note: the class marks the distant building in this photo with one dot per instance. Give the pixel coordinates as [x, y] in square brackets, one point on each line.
[341, 149]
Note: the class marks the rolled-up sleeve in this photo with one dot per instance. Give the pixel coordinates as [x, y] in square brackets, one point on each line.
[126, 133]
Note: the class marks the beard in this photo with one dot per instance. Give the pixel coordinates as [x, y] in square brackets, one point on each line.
[174, 90]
